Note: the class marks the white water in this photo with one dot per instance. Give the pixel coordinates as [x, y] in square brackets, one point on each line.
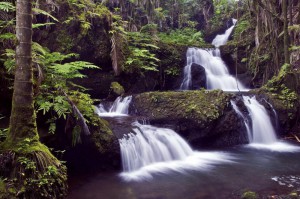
[261, 134]
[246, 122]
[217, 74]
[220, 40]
[262, 128]
[119, 108]
[159, 150]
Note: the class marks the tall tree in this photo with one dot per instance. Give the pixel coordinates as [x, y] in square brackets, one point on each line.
[22, 142]
[22, 120]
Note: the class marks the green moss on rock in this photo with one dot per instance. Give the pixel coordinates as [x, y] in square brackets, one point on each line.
[201, 106]
[117, 88]
[249, 195]
[204, 118]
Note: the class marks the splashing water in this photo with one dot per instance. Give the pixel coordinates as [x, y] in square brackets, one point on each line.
[119, 108]
[217, 74]
[150, 150]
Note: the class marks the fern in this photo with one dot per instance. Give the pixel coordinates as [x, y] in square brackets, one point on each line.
[43, 12]
[44, 106]
[37, 25]
[140, 59]
[7, 6]
[7, 36]
[71, 70]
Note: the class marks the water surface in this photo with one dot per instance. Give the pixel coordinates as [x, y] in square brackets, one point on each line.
[264, 171]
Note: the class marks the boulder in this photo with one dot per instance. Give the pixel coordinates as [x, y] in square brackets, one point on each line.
[198, 77]
[204, 118]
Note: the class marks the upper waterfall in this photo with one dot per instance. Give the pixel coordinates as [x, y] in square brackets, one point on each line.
[217, 74]
[222, 39]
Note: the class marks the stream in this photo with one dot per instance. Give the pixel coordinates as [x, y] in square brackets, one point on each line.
[263, 171]
[159, 164]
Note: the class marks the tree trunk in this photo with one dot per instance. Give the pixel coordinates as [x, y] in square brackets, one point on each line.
[286, 33]
[22, 120]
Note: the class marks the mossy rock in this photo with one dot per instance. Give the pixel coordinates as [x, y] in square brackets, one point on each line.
[100, 150]
[283, 92]
[204, 118]
[293, 195]
[116, 89]
[249, 195]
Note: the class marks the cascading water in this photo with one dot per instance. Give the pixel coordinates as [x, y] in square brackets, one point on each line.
[262, 130]
[217, 74]
[246, 122]
[220, 40]
[158, 150]
[119, 108]
[261, 133]
[149, 145]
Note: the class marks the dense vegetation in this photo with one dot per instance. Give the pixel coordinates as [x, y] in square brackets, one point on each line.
[126, 46]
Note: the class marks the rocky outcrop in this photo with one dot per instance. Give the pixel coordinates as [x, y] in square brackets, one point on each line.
[198, 77]
[283, 92]
[204, 118]
[100, 150]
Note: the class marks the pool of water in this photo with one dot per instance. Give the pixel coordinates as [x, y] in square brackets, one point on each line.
[262, 170]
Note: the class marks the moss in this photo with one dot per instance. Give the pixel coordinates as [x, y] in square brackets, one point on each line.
[200, 106]
[33, 171]
[117, 88]
[293, 195]
[249, 195]
[102, 136]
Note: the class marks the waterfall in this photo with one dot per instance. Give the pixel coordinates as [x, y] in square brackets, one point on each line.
[149, 149]
[220, 40]
[246, 121]
[148, 145]
[119, 107]
[262, 130]
[217, 74]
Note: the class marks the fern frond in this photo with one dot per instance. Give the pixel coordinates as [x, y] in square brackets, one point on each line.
[37, 25]
[7, 6]
[43, 12]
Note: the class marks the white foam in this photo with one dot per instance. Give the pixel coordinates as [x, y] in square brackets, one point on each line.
[276, 147]
[200, 161]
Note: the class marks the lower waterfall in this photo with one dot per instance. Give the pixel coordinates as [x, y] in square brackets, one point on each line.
[150, 150]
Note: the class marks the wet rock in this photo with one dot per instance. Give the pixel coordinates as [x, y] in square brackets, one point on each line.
[198, 76]
[204, 118]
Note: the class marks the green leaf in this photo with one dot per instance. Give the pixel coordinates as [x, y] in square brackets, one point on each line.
[37, 25]
[43, 12]
[7, 6]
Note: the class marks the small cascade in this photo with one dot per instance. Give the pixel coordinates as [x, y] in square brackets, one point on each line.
[262, 130]
[246, 121]
[151, 150]
[119, 108]
[149, 144]
[220, 40]
[217, 74]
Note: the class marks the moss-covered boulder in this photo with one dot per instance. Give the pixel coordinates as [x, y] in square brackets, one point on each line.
[204, 118]
[100, 150]
[283, 92]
